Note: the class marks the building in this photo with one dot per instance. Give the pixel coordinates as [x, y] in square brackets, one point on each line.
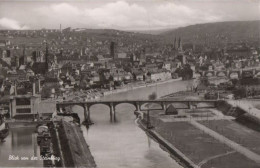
[24, 105]
[113, 50]
[28, 107]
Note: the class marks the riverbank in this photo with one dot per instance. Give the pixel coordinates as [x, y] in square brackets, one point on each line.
[96, 94]
[74, 148]
[206, 138]
[132, 87]
[22, 124]
[177, 155]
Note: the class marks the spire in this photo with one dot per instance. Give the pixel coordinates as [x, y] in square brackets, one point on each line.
[46, 57]
[175, 44]
[179, 44]
[23, 51]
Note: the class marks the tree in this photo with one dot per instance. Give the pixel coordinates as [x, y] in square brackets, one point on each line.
[186, 72]
[46, 90]
[152, 96]
[204, 81]
[240, 92]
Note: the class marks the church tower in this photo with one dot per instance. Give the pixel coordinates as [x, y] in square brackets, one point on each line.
[179, 44]
[46, 58]
[175, 44]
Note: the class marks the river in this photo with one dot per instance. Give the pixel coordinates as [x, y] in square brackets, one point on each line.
[123, 144]
[114, 145]
[20, 142]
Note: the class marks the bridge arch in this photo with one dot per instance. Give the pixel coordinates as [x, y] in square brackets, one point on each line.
[248, 73]
[180, 105]
[209, 72]
[79, 109]
[151, 105]
[130, 103]
[257, 72]
[199, 73]
[234, 72]
[89, 105]
[221, 72]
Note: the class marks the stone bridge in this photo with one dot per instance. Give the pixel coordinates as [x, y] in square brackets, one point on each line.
[138, 104]
[227, 73]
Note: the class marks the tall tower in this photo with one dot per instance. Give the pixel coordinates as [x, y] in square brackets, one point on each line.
[46, 58]
[24, 57]
[175, 44]
[112, 49]
[179, 44]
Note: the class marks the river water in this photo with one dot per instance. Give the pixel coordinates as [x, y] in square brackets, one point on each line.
[114, 145]
[20, 143]
[123, 144]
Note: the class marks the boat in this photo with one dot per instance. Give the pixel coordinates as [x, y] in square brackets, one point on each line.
[4, 133]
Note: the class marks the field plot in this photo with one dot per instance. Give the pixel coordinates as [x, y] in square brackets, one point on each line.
[232, 160]
[191, 141]
[236, 132]
[201, 148]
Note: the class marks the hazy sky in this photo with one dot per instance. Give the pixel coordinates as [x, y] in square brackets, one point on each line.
[122, 14]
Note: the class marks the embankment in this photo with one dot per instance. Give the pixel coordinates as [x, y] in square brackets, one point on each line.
[125, 89]
[225, 108]
[241, 116]
[74, 148]
[175, 153]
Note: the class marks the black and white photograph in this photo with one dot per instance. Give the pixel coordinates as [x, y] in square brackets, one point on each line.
[130, 83]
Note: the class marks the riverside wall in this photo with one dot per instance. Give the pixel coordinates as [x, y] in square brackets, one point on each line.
[137, 87]
[74, 149]
[175, 153]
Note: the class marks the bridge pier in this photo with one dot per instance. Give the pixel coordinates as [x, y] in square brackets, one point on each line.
[228, 73]
[59, 108]
[163, 106]
[215, 104]
[189, 105]
[112, 112]
[138, 107]
[87, 115]
[203, 73]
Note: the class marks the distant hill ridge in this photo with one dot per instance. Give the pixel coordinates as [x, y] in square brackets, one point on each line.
[219, 31]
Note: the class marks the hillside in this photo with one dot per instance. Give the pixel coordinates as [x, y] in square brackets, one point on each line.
[217, 32]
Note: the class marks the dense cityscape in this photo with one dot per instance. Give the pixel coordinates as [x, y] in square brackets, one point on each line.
[184, 97]
[72, 59]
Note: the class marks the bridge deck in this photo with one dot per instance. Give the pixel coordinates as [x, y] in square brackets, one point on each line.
[131, 101]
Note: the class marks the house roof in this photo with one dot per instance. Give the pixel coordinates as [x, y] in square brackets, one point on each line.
[51, 80]
[39, 67]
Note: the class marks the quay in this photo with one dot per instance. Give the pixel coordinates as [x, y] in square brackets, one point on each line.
[70, 146]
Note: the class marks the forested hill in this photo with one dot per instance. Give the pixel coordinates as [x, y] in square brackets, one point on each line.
[217, 32]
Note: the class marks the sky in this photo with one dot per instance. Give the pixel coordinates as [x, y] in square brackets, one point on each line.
[122, 14]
